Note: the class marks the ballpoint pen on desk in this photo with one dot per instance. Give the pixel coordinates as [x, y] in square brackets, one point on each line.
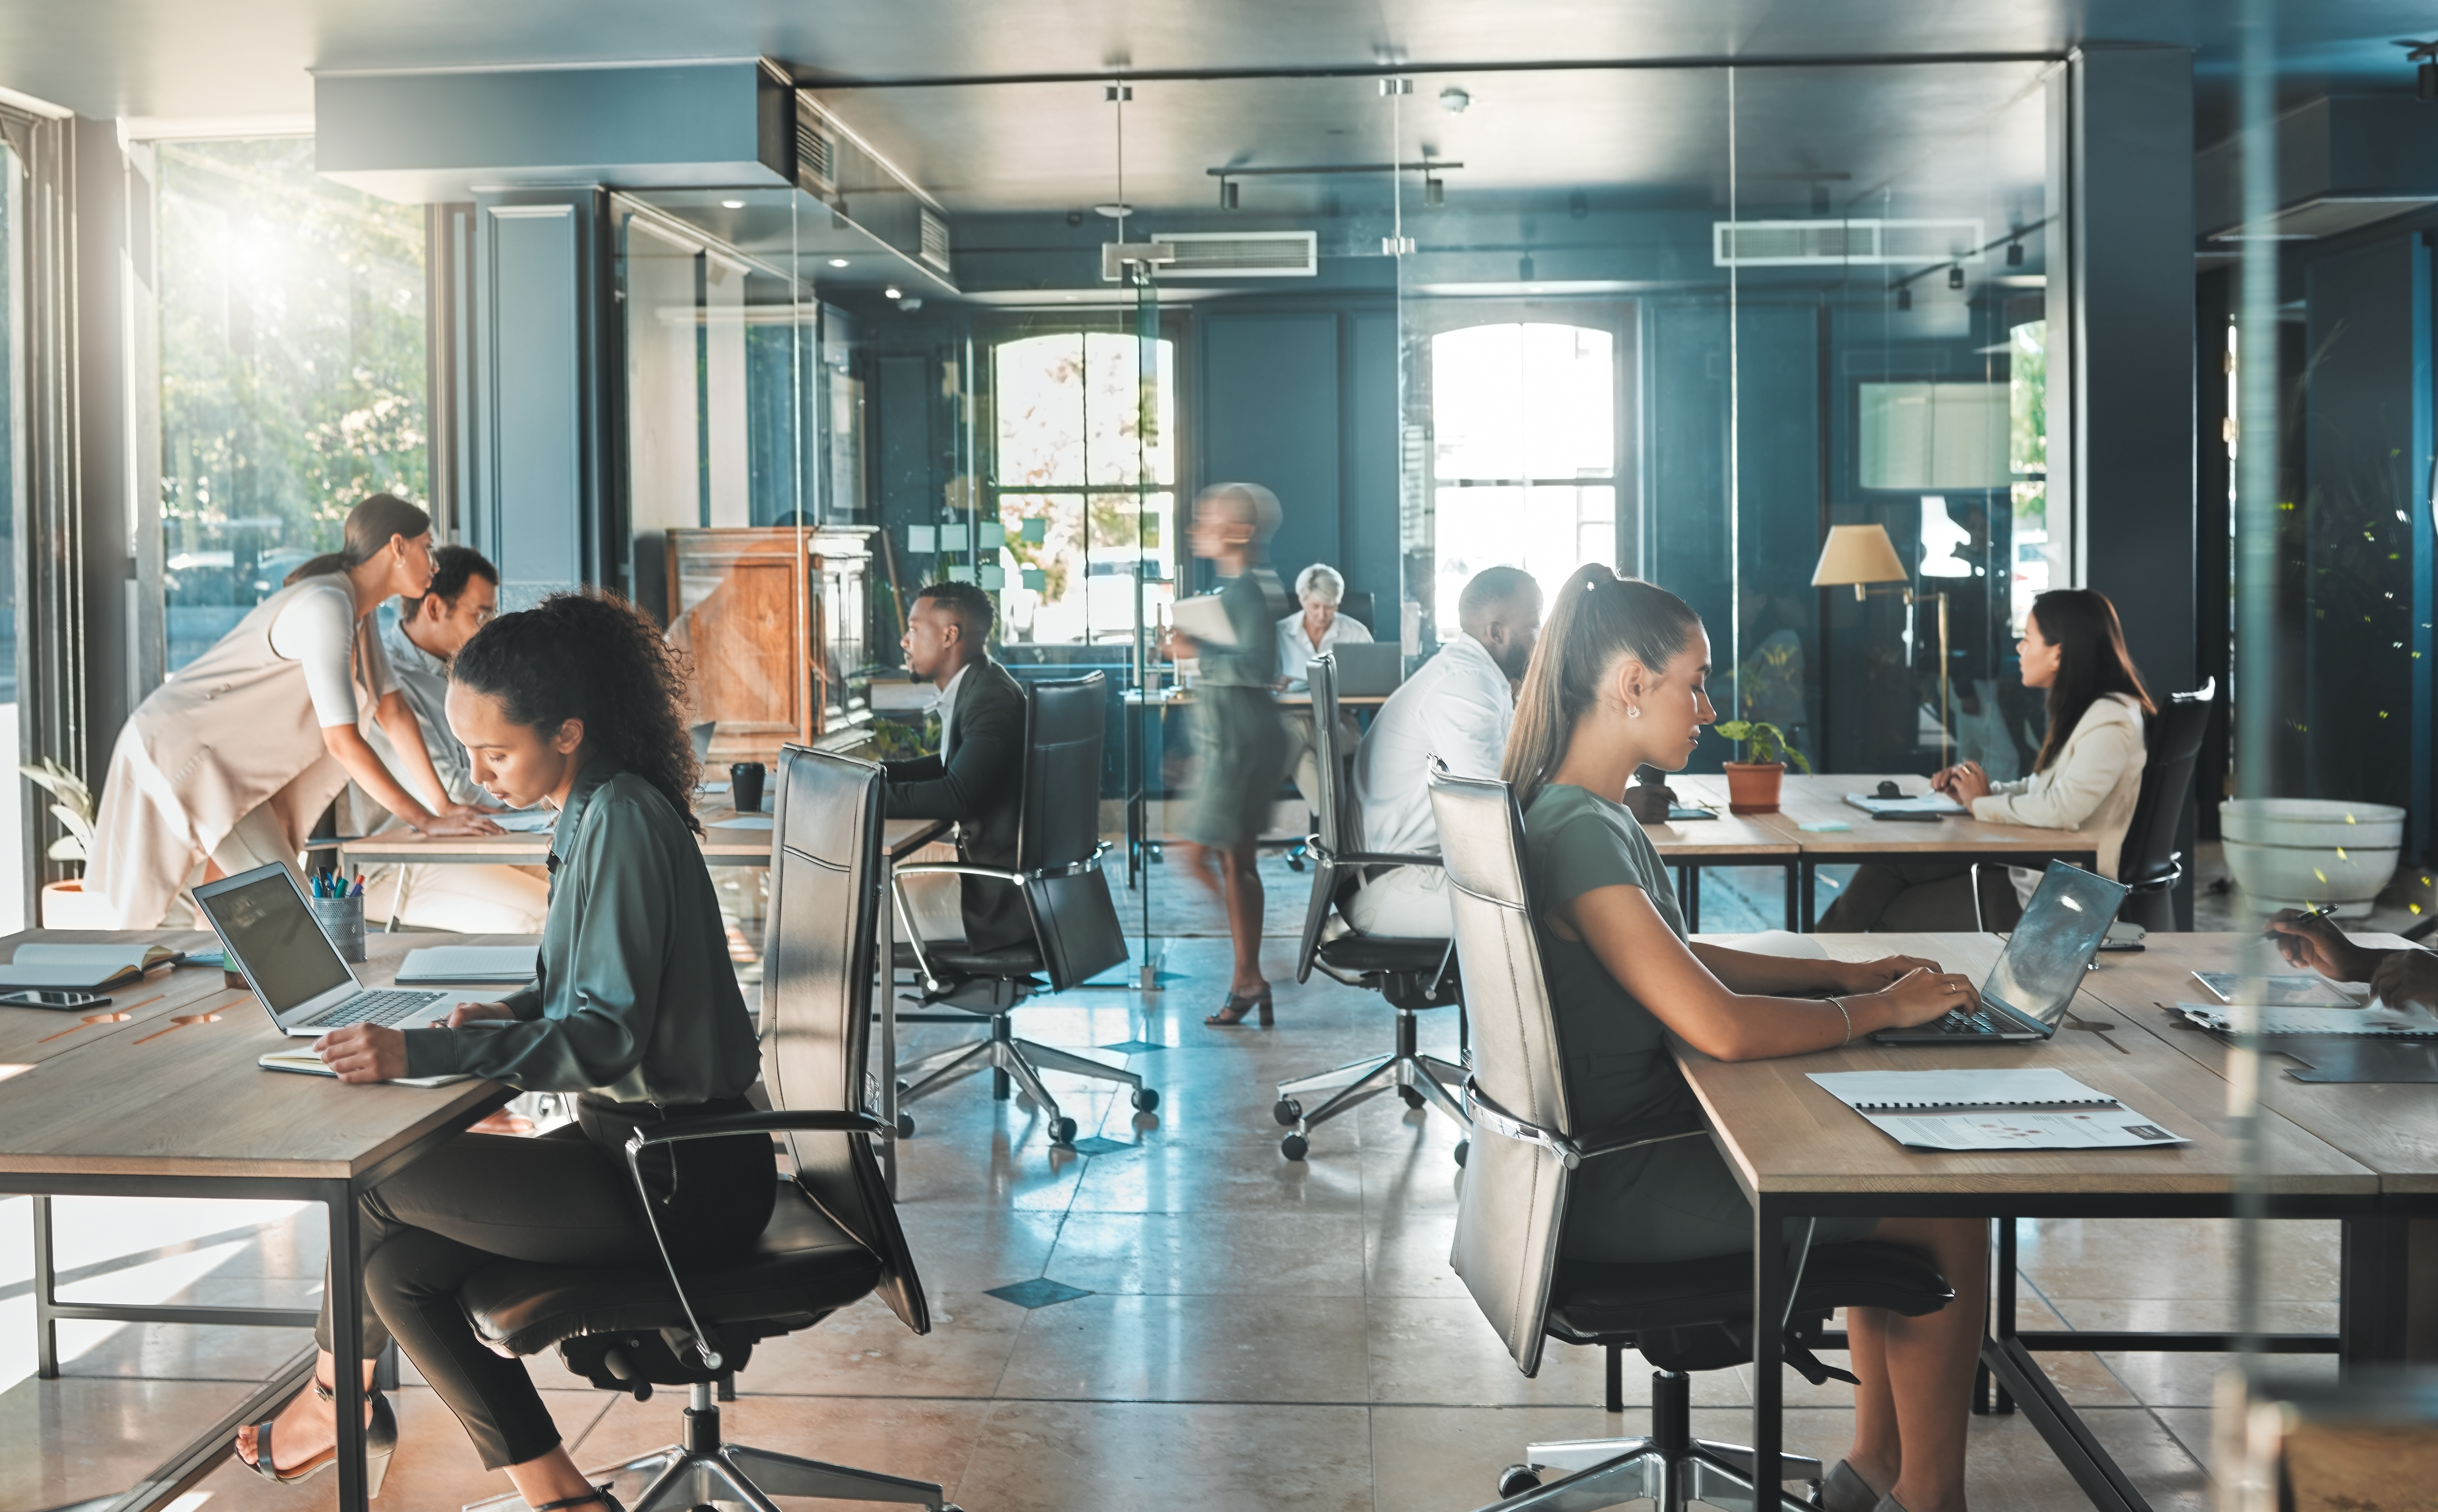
[2319, 912]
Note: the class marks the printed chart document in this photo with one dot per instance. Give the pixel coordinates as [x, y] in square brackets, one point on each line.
[513, 964]
[2280, 991]
[83, 968]
[1204, 619]
[2030, 1109]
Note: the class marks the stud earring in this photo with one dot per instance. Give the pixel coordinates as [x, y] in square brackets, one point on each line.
[1632, 711]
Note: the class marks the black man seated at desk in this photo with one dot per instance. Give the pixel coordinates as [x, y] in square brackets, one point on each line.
[978, 777]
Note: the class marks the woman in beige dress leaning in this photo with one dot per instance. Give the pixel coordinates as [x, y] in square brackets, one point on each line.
[226, 765]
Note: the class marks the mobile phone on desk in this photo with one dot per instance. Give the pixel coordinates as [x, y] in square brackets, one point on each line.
[65, 1002]
[1909, 818]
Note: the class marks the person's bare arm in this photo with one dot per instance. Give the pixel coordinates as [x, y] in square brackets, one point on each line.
[1745, 971]
[405, 732]
[1662, 973]
[355, 753]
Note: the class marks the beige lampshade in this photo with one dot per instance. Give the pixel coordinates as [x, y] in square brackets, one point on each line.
[1858, 554]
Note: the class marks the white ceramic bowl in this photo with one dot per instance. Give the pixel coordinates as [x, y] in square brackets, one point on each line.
[2311, 823]
[2278, 875]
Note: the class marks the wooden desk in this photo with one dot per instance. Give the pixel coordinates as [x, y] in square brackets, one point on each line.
[1800, 1154]
[31, 1035]
[1811, 799]
[721, 845]
[147, 1107]
[1728, 840]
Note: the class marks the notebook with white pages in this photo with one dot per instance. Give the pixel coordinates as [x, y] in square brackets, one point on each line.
[2284, 991]
[513, 965]
[305, 1063]
[2029, 1109]
[1203, 620]
[83, 968]
[2373, 1019]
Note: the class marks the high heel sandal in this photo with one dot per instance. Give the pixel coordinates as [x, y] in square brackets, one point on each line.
[1233, 1010]
[598, 1494]
[381, 1441]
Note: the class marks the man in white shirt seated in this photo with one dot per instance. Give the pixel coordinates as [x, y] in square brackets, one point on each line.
[1314, 632]
[1457, 708]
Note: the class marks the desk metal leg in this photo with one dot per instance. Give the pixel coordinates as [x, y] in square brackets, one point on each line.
[348, 1342]
[2373, 1267]
[1805, 887]
[889, 1022]
[1989, 1393]
[46, 1281]
[1794, 904]
[1771, 1286]
[1692, 899]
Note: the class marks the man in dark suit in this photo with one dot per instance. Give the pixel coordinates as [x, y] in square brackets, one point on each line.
[978, 777]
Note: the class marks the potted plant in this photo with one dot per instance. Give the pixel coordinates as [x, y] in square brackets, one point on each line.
[1753, 784]
[65, 903]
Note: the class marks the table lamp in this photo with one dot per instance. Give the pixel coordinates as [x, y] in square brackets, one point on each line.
[1863, 555]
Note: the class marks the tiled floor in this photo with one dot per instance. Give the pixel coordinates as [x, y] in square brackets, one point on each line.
[1256, 1334]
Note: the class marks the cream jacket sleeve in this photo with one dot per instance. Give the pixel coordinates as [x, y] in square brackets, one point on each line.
[2106, 743]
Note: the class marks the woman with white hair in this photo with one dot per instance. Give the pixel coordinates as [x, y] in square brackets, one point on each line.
[1317, 628]
[1314, 632]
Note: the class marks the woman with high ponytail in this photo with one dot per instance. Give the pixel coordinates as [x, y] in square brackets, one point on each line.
[579, 703]
[227, 765]
[1619, 682]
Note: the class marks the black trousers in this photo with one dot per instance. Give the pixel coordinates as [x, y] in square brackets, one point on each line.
[557, 1199]
[1925, 897]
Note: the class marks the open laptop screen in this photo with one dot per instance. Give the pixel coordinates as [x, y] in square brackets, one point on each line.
[2042, 966]
[274, 939]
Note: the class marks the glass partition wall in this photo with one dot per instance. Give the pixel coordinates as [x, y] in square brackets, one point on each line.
[1682, 321]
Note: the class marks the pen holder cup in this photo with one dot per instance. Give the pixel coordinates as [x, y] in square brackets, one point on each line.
[343, 920]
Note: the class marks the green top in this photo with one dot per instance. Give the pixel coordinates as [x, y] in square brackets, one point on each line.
[1254, 603]
[636, 1000]
[1618, 1068]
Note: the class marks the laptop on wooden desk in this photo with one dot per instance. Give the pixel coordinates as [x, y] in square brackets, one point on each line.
[2028, 990]
[297, 974]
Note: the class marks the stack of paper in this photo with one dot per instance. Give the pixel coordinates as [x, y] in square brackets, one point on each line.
[2284, 991]
[512, 964]
[1926, 804]
[2034, 1109]
[305, 1063]
[2374, 1018]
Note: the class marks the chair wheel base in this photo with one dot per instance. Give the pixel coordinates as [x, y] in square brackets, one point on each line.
[1294, 1147]
[1517, 1479]
[904, 1126]
[1463, 1147]
[1145, 1099]
[1062, 1130]
[1288, 1112]
[1411, 1097]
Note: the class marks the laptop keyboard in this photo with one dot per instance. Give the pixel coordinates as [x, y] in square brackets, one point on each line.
[1958, 1022]
[386, 1007]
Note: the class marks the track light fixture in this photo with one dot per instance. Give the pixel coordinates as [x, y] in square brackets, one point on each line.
[1954, 275]
[1819, 197]
[2014, 255]
[1904, 297]
[2426, 80]
[1226, 194]
[1434, 191]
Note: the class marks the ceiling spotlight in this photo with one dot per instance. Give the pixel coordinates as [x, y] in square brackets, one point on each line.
[1434, 190]
[893, 291]
[1454, 100]
[837, 262]
[1396, 86]
[1819, 197]
[2425, 54]
[1116, 93]
[1115, 212]
[732, 205]
[1904, 297]
[1226, 194]
[1954, 275]
[2014, 255]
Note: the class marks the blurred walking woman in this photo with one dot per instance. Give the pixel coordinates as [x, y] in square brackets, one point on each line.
[1619, 680]
[579, 703]
[226, 765]
[1237, 732]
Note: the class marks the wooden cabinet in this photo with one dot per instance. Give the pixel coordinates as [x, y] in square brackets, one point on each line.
[775, 620]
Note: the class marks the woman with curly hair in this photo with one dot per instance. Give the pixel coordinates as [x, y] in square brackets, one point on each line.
[579, 702]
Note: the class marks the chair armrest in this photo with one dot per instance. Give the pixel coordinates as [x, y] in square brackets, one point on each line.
[824, 1120]
[955, 868]
[1489, 1115]
[1386, 858]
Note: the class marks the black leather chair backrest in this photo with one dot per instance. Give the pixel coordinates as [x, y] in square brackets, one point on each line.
[816, 984]
[1061, 826]
[1338, 831]
[1356, 605]
[1513, 1201]
[2149, 852]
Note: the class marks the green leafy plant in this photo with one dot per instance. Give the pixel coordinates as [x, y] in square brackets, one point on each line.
[72, 808]
[1762, 743]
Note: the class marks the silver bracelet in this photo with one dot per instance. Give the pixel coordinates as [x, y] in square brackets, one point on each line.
[1849, 1022]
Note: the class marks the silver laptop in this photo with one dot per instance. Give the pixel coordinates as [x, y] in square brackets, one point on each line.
[1369, 670]
[700, 734]
[2027, 991]
[297, 974]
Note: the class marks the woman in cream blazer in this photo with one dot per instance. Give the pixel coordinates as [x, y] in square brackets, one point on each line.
[2088, 775]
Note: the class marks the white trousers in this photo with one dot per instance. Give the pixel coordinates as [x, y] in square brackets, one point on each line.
[467, 898]
[1408, 903]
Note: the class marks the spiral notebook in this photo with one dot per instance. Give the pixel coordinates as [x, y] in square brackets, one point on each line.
[2030, 1109]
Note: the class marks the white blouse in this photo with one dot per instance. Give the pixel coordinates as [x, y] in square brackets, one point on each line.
[2092, 784]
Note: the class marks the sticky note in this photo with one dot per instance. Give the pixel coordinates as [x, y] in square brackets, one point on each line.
[1824, 827]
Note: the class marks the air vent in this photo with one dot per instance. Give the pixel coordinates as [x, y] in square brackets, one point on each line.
[1225, 254]
[816, 159]
[1812, 243]
[935, 240]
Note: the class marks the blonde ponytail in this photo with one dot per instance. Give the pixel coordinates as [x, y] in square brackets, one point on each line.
[1598, 617]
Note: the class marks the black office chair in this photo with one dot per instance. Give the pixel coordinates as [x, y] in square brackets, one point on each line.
[1683, 1316]
[2148, 861]
[1412, 974]
[833, 1238]
[1076, 935]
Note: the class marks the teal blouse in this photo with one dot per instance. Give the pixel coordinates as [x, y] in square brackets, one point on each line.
[636, 1000]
